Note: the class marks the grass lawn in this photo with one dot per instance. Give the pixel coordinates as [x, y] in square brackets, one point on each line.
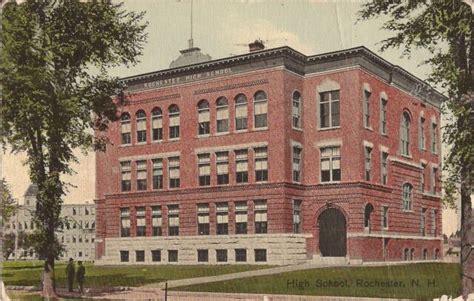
[434, 280]
[29, 273]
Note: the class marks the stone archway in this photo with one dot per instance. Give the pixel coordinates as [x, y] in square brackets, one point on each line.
[332, 233]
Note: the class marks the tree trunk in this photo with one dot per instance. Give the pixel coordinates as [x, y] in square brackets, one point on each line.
[48, 280]
[467, 221]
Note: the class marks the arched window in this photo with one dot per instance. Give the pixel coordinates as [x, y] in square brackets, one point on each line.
[125, 128]
[406, 196]
[173, 115]
[367, 214]
[405, 134]
[157, 124]
[240, 112]
[260, 108]
[222, 119]
[406, 254]
[296, 112]
[203, 118]
[141, 126]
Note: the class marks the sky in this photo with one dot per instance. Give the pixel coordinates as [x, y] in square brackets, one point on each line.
[223, 28]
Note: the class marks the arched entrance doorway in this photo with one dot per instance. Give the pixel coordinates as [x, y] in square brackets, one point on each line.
[332, 233]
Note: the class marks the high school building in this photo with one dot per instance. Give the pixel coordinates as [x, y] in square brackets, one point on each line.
[272, 157]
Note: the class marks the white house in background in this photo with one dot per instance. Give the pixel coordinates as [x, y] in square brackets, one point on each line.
[78, 238]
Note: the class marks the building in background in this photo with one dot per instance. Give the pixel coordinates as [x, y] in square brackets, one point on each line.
[78, 238]
[272, 157]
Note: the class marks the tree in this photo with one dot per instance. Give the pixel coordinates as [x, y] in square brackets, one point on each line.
[25, 242]
[57, 91]
[446, 29]
[8, 206]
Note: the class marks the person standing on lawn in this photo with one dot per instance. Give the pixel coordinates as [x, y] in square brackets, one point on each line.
[70, 272]
[80, 275]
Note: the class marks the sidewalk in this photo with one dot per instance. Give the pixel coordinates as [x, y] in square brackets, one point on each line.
[263, 272]
[158, 295]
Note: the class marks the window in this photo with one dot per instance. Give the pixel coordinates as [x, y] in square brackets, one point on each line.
[172, 255]
[140, 215]
[139, 256]
[204, 168]
[406, 196]
[86, 211]
[157, 124]
[297, 216]
[329, 109]
[173, 220]
[222, 166]
[384, 217]
[369, 208]
[126, 171]
[222, 214]
[141, 126]
[260, 255]
[412, 254]
[421, 133]
[203, 255]
[423, 180]
[203, 118]
[384, 168]
[260, 109]
[155, 255]
[240, 112]
[241, 166]
[405, 134]
[241, 217]
[383, 116]
[124, 222]
[221, 255]
[406, 254]
[203, 219]
[173, 113]
[423, 222]
[261, 164]
[141, 175]
[240, 255]
[157, 173]
[434, 180]
[125, 128]
[156, 221]
[367, 109]
[296, 111]
[425, 254]
[260, 207]
[173, 174]
[330, 164]
[222, 109]
[434, 227]
[436, 254]
[297, 163]
[367, 155]
[124, 256]
[434, 138]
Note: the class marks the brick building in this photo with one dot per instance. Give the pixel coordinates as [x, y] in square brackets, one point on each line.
[272, 157]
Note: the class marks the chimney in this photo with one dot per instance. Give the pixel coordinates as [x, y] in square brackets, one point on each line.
[256, 46]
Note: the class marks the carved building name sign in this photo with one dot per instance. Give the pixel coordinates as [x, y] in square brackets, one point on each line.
[180, 79]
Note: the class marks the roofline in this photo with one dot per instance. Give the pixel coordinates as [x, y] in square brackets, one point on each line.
[266, 52]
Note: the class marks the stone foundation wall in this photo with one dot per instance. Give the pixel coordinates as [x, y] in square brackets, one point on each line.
[281, 249]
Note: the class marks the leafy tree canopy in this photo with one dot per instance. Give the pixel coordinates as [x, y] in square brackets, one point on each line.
[56, 89]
